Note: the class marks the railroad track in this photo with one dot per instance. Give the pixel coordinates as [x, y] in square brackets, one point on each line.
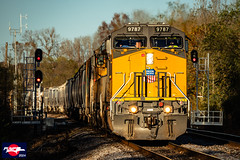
[145, 152]
[149, 153]
[179, 152]
[157, 152]
[192, 154]
[232, 140]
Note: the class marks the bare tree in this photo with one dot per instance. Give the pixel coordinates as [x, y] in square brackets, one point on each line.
[118, 21]
[86, 47]
[178, 13]
[46, 39]
[77, 45]
[49, 40]
[78, 50]
[30, 42]
[66, 49]
[105, 29]
[142, 17]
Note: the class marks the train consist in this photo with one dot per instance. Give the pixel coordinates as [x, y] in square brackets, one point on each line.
[135, 84]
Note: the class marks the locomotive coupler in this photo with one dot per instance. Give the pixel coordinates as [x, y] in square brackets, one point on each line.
[151, 121]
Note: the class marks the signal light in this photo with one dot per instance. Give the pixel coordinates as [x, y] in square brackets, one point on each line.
[194, 56]
[38, 76]
[38, 55]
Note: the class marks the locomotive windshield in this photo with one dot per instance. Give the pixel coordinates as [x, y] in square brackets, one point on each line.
[167, 42]
[130, 42]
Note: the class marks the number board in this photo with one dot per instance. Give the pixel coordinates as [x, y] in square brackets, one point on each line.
[150, 71]
[162, 29]
[134, 29]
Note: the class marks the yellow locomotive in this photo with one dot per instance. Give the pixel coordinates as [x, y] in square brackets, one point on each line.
[135, 84]
[149, 82]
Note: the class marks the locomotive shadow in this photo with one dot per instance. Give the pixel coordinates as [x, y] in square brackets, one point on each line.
[150, 143]
[194, 139]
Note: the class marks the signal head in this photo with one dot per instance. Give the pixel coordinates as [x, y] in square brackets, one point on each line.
[38, 55]
[194, 56]
[38, 76]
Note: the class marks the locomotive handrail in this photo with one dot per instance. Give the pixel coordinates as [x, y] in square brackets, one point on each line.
[116, 95]
[181, 92]
[118, 91]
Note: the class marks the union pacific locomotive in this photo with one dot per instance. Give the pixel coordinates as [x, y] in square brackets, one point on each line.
[135, 84]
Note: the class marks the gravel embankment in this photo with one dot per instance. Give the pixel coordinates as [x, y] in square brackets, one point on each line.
[90, 144]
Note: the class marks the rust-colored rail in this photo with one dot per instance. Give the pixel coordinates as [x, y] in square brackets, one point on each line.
[192, 153]
[145, 152]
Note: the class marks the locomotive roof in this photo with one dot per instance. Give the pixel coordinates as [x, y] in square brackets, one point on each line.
[147, 29]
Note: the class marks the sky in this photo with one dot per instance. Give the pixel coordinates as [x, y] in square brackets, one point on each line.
[70, 18]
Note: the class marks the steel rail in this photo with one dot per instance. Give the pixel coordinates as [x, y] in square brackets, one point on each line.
[192, 153]
[152, 154]
[145, 152]
[232, 140]
[188, 152]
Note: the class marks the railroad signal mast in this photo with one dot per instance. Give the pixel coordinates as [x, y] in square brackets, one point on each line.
[38, 79]
[32, 112]
[38, 73]
[194, 59]
[200, 117]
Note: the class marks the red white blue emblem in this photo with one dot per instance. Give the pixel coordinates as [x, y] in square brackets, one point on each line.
[150, 75]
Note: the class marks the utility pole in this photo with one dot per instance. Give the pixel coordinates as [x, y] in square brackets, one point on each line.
[6, 53]
[14, 33]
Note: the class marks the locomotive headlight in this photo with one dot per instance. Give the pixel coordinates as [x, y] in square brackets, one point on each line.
[149, 58]
[133, 109]
[167, 109]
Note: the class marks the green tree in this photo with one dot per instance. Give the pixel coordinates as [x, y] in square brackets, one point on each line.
[223, 43]
[57, 71]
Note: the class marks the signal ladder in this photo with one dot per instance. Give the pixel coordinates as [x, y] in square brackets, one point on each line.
[29, 112]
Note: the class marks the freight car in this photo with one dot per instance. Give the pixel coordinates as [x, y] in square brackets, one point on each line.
[54, 99]
[135, 84]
